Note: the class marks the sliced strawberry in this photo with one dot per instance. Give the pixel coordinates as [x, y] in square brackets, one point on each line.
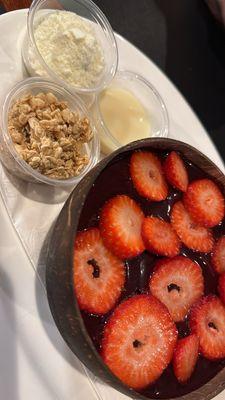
[161, 262]
[205, 202]
[218, 256]
[120, 225]
[221, 287]
[178, 283]
[195, 237]
[138, 341]
[185, 357]
[98, 275]
[159, 237]
[147, 176]
[207, 320]
[175, 171]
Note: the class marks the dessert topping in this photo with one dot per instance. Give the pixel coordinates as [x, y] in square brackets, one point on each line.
[138, 340]
[69, 46]
[48, 135]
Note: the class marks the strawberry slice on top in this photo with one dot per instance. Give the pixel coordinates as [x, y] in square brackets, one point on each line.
[148, 176]
[139, 340]
[121, 219]
[178, 283]
[218, 255]
[160, 238]
[207, 321]
[175, 171]
[194, 236]
[205, 202]
[185, 357]
[98, 275]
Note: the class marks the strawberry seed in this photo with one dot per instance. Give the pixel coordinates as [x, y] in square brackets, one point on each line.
[137, 343]
[173, 286]
[212, 325]
[96, 269]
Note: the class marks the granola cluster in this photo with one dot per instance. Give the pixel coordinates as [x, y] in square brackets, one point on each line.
[49, 136]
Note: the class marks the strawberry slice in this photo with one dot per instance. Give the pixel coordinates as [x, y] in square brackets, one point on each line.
[205, 202]
[159, 237]
[178, 283]
[185, 357]
[147, 176]
[161, 262]
[218, 256]
[195, 237]
[98, 275]
[175, 171]
[221, 287]
[120, 225]
[139, 340]
[207, 320]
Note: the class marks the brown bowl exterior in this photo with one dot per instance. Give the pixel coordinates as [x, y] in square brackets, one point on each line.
[60, 291]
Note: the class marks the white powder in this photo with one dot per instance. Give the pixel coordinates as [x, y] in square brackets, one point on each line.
[70, 48]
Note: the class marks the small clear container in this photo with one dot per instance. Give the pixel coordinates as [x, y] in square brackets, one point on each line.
[8, 154]
[148, 97]
[35, 63]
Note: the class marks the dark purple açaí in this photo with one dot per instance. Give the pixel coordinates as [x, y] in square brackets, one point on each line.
[115, 179]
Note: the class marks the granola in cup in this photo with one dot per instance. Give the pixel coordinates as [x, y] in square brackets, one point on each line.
[46, 134]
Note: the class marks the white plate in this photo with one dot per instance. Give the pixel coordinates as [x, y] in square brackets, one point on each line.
[35, 363]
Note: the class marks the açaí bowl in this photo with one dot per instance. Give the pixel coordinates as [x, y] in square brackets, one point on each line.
[59, 270]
